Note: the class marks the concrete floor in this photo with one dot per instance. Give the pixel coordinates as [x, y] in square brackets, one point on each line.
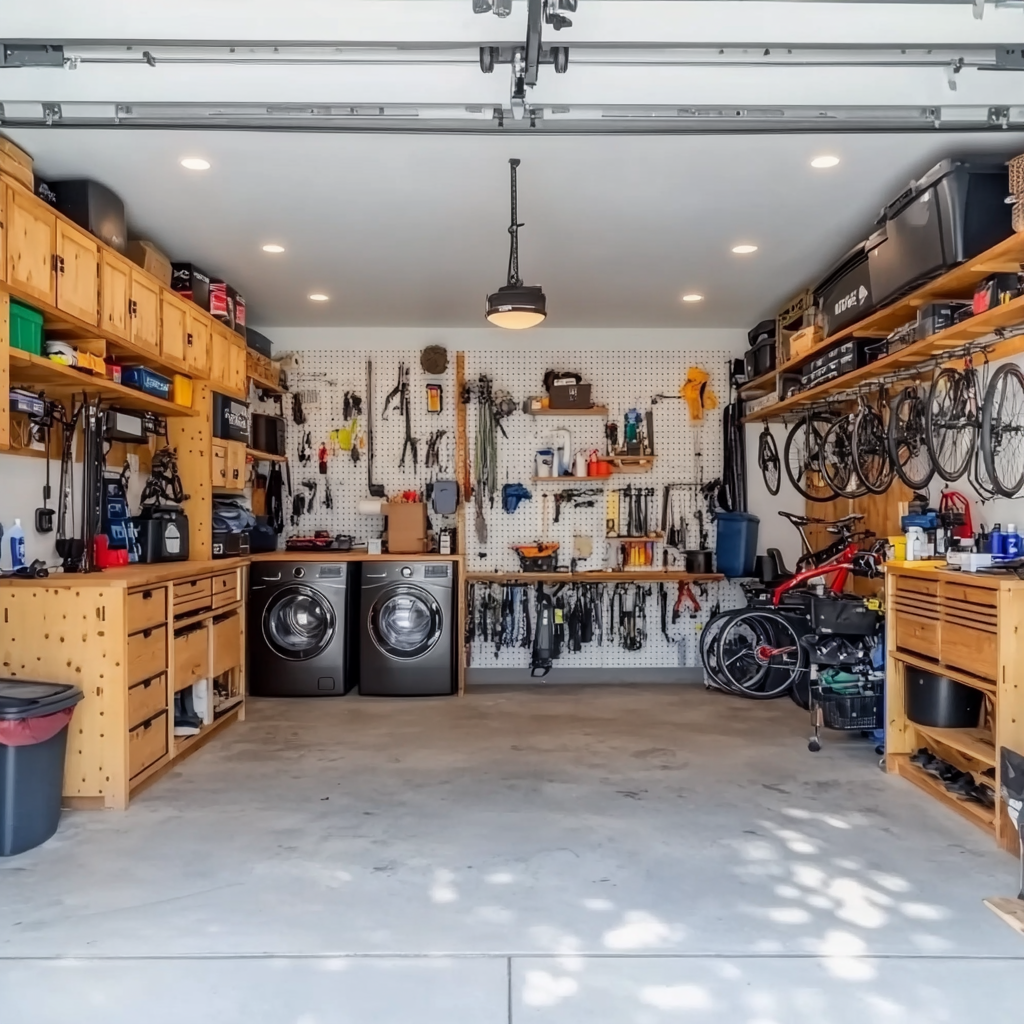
[550, 855]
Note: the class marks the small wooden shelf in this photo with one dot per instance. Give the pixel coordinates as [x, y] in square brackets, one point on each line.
[596, 576]
[258, 456]
[759, 386]
[265, 384]
[630, 463]
[594, 410]
[570, 481]
[982, 816]
[946, 670]
[649, 539]
[56, 379]
[974, 743]
[182, 743]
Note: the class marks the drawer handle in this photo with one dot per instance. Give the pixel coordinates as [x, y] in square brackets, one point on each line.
[147, 633]
[147, 595]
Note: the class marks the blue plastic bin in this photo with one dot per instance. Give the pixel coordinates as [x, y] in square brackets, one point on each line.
[736, 547]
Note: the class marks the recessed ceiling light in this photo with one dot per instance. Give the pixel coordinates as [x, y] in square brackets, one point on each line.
[273, 248]
[195, 163]
[744, 249]
[693, 297]
[318, 297]
[825, 161]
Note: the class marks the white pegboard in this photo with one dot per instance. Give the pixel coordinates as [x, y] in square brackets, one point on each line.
[619, 381]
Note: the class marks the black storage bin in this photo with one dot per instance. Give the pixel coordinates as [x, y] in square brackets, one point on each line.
[941, 702]
[763, 331]
[259, 342]
[94, 207]
[34, 719]
[760, 358]
[843, 616]
[191, 283]
[951, 214]
[268, 433]
[230, 545]
[230, 418]
[163, 534]
[844, 294]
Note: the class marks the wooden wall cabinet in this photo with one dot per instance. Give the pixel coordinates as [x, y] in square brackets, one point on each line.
[78, 273]
[129, 643]
[227, 362]
[197, 343]
[31, 240]
[173, 330]
[115, 295]
[229, 465]
[145, 311]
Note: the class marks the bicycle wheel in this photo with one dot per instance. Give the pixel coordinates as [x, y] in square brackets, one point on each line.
[769, 462]
[951, 423]
[837, 460]
[870, 453]
[759, 654]
[906, 440]
[1002, 430]
[801, 456]
[709, 649]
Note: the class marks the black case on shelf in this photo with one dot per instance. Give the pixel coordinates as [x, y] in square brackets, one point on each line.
[162, 533]
[259, 342]
[230, 545]
[268, 434]
[95, 207]
[191, 283]
[844, 294]
[230, 418]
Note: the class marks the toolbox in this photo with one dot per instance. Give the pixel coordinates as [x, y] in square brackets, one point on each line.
[569, 393]
[230, 418]
[162, 532]
[143, 379]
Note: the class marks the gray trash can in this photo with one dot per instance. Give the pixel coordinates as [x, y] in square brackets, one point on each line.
[34, 719]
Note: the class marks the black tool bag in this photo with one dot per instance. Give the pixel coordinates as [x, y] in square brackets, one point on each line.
[544, 636]
[843, 616]
[1011, 774]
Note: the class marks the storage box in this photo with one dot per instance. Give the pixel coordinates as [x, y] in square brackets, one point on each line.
[227, 306]
[191, 283]
[181, 390]
[259, 342]
[94, 207]
[268, 433]
[26, 328]
[143, 379]
[151, 259]
[407, 528]
[230, 418]
[567, 394]
[844, 295]
[759, 359]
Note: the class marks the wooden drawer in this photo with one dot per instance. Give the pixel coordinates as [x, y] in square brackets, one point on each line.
[964, 593]
[225, 589]
[147, 654]
[917, 634]
[192, 596]
[146, 700]
[147, 608]
[147, 743]
[913, 585]
[191, 657]
[227, 644]
[970, 648]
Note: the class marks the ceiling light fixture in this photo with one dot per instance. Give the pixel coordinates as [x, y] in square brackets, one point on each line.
[693, 297]
[318, 297]
[195, 163]
[743, 250]
[516, 306]
[273, 248]
[824, 161]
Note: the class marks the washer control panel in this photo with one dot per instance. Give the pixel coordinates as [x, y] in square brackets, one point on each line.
[298, 572]
[407, 572]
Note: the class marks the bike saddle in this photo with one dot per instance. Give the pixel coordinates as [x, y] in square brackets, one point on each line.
[800, 520]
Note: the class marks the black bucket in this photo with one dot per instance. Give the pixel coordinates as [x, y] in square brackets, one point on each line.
[941, 702]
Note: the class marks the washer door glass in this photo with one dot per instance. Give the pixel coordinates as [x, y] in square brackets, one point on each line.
[405, 622]
[298, 623]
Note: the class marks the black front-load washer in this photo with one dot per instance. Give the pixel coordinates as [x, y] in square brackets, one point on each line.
[407, 629]
[299, 629]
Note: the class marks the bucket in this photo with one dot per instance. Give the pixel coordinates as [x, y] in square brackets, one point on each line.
[736, 547]
[941, 702]
[545, 462]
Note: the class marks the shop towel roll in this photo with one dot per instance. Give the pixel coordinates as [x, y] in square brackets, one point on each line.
[371, 507]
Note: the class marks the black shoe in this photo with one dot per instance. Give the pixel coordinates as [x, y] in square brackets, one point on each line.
[184, 723]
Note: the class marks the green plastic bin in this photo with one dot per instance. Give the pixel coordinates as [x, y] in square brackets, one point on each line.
[26, 328]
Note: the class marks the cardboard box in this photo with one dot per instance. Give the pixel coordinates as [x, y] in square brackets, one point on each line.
[151, 259]
[803, 341]
[407, 528]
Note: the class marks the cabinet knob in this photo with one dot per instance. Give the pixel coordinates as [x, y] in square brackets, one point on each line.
[188, 338]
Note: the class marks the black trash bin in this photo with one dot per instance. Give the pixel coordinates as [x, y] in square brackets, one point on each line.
[34, 719]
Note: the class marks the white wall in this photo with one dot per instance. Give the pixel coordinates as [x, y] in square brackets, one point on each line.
[21, 493]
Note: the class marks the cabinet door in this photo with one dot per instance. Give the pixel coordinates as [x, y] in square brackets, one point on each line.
[173, 324]
[78, 274]
[145, 309]
[31, 227]
[115, 295]
[3, 233]
[197, 348]
[237, 377]
[222, 359]
[220, 463]
[236, 466]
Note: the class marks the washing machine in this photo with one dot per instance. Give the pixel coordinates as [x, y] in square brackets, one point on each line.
[407, 629]
[299, 629]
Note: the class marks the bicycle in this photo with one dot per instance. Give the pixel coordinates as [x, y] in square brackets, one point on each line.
[768, 460]
[907, 439]
[953, 420]
[802, 455]
[1002, 430]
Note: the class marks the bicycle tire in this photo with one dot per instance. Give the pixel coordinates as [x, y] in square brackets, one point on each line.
[952, 433]
[709, 649]
[743, 666]
[1002, 417]
[871, 460]
[837, 460]
[801, 458]
[768, 462]
[907, 440]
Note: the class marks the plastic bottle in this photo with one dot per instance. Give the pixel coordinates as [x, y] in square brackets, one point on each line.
[1011, 542]
[997, 541]
[916, 542]
[16, 536]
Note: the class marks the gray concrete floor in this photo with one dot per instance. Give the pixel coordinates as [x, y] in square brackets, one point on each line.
[558, 855]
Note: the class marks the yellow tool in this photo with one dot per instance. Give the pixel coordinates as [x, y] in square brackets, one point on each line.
[697, 392]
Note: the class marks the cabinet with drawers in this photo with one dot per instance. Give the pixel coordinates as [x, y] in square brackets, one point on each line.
[132, 639]
[969, 628]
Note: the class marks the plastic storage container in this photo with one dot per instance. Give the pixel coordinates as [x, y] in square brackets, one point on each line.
[143, 379]
[34, 720]
[736, 547]
[941, 702]
[26, 328]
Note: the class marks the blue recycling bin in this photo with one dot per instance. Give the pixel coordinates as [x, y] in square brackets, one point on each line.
[736, 547]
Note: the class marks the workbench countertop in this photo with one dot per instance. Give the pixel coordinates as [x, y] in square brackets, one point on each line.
[133, 575]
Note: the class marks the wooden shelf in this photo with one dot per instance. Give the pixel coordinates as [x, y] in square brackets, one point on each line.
[933, 666]
[182, 743]
[974, 743]
[630, 463]
[265, 384]
[759, 386]
[596, 576]
[984, 817]
[56, 379]
[252, 453]
[594, 410]
[569, 481]
[650, 538]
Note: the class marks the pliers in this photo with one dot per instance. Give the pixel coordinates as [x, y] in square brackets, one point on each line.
[685, 595]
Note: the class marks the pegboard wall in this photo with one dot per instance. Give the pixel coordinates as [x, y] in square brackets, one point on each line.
[685, 452]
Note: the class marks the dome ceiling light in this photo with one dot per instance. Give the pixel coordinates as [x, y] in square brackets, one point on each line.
[516, 306]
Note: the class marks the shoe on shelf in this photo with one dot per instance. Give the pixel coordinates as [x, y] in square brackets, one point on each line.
[185, 724]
